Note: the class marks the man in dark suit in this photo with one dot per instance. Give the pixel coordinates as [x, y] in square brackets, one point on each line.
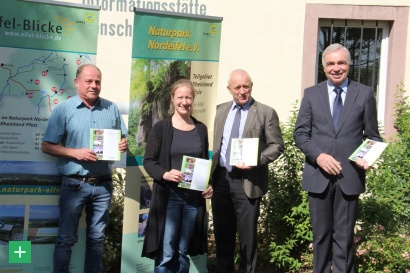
[238, 189]
[328, 132]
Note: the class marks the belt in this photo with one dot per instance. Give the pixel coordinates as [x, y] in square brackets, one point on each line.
[92, 179]
[235, 173]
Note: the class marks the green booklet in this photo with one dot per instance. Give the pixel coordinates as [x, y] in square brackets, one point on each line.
[370, 150]
[196, 173]
[104, 142]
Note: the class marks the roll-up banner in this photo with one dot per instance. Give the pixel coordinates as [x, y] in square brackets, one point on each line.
[41, 45]
[166, 47]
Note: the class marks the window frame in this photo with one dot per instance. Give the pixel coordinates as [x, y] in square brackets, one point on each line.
[385, 26]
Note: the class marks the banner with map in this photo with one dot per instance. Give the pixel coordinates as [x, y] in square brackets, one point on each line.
[166, 47]
[41, 45]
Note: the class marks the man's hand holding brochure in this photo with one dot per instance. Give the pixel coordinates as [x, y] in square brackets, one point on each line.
[369, 150]
[244, 151]
[104, 142]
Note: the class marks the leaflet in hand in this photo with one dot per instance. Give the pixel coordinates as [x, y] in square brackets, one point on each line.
[196, 173]
[370, 150]
[104, 142]
[244, 151]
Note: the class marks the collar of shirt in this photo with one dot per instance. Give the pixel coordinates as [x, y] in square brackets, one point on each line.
[331, 87]
[245, 107]
[80, 103]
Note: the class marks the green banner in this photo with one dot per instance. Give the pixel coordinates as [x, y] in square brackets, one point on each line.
[33, 25]
[171, 37]
[29, 189]
[166, 47]
[41, 46]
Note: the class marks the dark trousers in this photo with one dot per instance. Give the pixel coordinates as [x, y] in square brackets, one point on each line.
[231, 208]
[333, 216]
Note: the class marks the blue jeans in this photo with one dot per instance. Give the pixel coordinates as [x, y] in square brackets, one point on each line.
[182, 211]
[74, 196]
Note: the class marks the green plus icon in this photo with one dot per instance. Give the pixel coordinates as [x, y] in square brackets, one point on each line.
[19, 252]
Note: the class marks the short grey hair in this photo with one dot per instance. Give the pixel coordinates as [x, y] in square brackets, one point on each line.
[333, 48]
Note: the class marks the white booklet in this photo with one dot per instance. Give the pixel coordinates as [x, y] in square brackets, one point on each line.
[244, 151]
[196, 173]
[370, 150]
[104, 142]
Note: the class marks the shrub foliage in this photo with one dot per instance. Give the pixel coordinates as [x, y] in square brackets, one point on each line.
[113, 232]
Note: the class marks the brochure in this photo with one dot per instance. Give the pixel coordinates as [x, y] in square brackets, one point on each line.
[244, 151]
[104, 142]
[370, 150]
[196, 173]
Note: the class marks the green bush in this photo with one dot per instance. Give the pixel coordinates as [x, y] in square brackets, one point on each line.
[113, 232]
[285, 231]
[383, 237]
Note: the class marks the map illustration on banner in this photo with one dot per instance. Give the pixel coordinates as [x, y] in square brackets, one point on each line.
[39, 56]
[41, 77]
[33, 83]
[41, 46]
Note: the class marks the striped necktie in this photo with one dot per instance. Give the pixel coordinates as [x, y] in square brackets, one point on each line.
[234, 134]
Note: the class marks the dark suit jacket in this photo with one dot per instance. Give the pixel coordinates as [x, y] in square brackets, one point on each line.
[262, 122]
[315, 134]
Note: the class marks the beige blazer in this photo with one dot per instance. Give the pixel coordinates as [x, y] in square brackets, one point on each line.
[262, 122]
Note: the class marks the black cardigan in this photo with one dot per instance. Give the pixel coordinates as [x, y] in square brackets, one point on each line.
[157, 161]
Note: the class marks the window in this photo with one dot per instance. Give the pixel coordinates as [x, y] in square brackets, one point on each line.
[394, 47]
[365, 40]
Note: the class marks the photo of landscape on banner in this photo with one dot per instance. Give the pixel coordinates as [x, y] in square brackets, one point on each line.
[166, 47]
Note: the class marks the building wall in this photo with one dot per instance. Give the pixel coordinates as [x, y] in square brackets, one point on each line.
[274, 41]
